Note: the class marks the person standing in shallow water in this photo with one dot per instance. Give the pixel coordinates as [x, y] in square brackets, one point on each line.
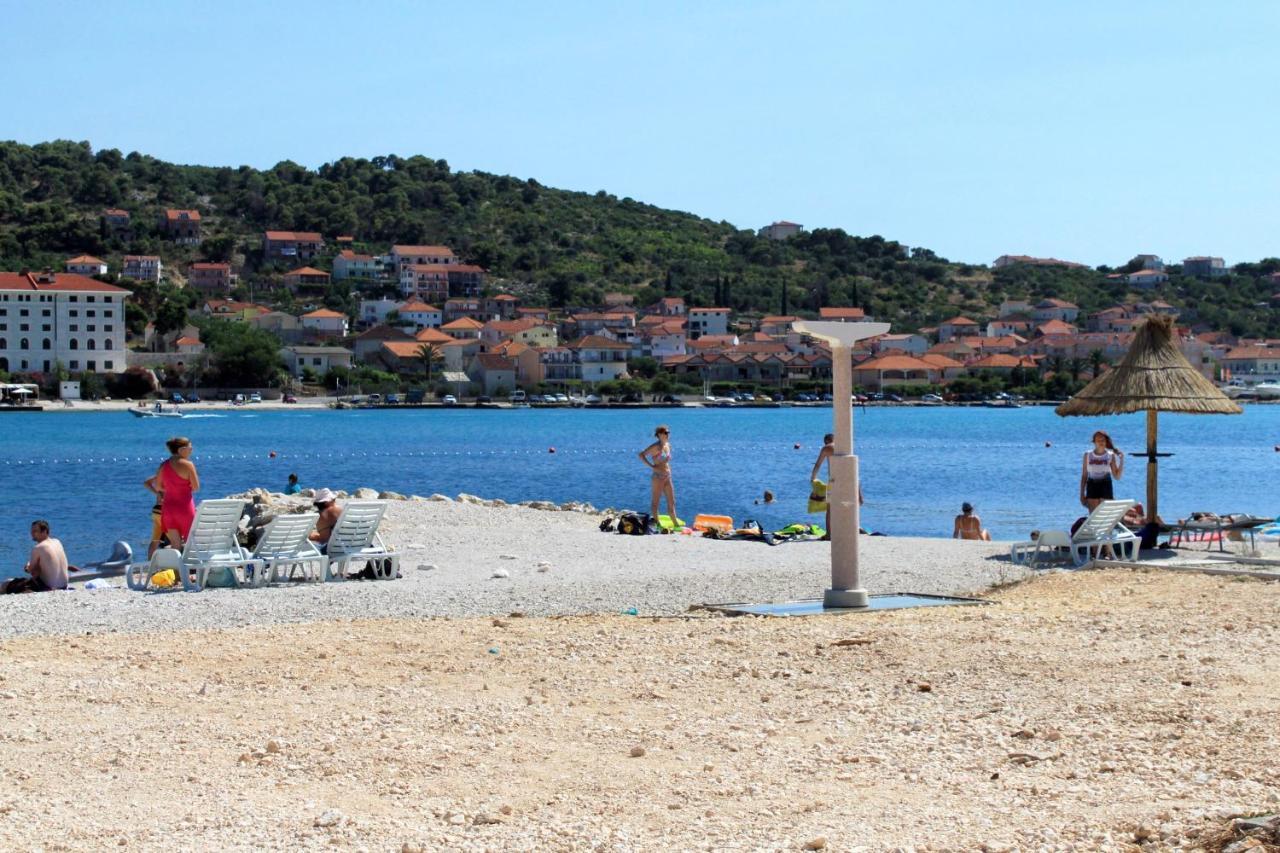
[658, 457]
[1099, 466]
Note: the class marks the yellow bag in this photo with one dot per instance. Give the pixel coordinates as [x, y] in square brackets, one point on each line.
[164, 579]
[818, 496]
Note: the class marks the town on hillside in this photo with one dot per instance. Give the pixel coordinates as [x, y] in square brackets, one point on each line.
[422, 317]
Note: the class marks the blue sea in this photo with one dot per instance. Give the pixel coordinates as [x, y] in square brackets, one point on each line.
[1020, 468]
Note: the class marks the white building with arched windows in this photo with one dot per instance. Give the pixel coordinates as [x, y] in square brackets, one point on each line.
[46, 318]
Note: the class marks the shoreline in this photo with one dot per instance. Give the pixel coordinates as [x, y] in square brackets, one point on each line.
[488, 558]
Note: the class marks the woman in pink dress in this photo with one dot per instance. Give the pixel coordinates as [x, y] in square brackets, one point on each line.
[177, 480]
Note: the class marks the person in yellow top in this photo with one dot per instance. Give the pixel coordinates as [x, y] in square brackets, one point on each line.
[818, 496]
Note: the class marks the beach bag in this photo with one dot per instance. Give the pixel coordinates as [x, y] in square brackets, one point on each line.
[220, 576]
[818, 496]
[633, 524]
[165, 578]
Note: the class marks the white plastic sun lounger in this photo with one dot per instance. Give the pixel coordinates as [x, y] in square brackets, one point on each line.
[212, 543]
[355, 539]
[285, 549]
[1102, 529]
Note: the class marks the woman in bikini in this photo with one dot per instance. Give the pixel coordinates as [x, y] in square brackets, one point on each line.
[658, 457]
[1100, 464]
[968, 525]
[177, 481]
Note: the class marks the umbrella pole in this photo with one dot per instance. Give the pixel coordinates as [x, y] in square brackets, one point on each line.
[1153, 471]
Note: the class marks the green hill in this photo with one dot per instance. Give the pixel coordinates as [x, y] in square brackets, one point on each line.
[553, 246]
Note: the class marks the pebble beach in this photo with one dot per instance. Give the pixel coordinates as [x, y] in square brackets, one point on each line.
[500, 696]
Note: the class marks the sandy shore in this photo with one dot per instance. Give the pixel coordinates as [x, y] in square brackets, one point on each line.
[1083, 711]
[547, 562]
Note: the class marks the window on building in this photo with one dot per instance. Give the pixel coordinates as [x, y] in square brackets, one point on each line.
[45, 327]
[90, 312]
[92, 344]
[75, 365]
[23, 312]
[48, 344]
[92, 365]
[74, 344]
[108, 365]
[74, 298]
[90, 328]
[73, 313]
[46, 313]
[89, 299]
[24, 327]
[24, 344]
[74, 327]
[106, 343]
[106, 329]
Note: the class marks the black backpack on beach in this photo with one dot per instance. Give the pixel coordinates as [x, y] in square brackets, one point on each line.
[633, 524]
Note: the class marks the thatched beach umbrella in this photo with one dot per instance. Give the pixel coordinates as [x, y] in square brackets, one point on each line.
[1152, 377]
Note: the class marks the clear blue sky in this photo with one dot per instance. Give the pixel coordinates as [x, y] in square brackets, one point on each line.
[1090, 131]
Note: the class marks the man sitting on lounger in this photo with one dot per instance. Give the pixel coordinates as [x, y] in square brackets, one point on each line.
[327, 503]
[47, 568]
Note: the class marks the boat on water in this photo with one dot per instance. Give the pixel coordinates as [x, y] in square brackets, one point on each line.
[1239, 388]
[1002, 404]
[158, 411]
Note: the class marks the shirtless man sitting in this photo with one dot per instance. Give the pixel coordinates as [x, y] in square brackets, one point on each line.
[47, 568]
[327, 503]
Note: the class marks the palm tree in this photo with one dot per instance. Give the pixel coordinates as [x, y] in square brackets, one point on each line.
[1074, 366]
[429, 356]
[1052, 364]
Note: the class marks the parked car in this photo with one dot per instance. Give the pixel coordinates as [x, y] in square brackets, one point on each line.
[633, 397]
[192, 397]
[176, 398]
[893, 398]
[930, 398]
[518, 396]
[536, 398]
[826, 398]
[483, 400]
[669, 398]
[375, 399]
[449, 400]
[393, 399]
[289, 398]
[594, 400]
[255, 397]
[238, 399]
[416, 395]
[562, 398]
[747, 397]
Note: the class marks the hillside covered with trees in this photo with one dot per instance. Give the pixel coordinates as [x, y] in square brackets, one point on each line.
[552, 246]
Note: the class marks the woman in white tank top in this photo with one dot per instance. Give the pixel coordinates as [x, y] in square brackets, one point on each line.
[1100, 464]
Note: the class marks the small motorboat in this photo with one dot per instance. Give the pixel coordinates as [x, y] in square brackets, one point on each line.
[158, 411]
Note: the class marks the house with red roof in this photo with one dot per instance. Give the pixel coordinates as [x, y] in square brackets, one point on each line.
[348, 265]
[420, 315]
[118, 222]
[881, 371]
[291, 245]
[463, 328]
[209, 278]
[1055, 309]
[47, 318]
[226, 309]
[325, 322]
[85, 265]
[843, 315]
[407, 256]
[405, 357]
[957, 327]
[428, 282]
[906, 342]
[368, 344]
[600, 359]
[141, 267]
[668, 306]
[466, 280]
[494, 373]
[306, 278]
[181, 226]
[503, 306]
[1055, 327]
[780, 230]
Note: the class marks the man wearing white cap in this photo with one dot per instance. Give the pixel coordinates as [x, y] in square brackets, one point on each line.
[327, 503]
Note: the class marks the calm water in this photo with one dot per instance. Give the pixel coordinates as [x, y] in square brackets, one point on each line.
[84, 471]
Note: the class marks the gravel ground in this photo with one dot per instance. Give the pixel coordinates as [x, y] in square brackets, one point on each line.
[555, 563]
[1085, 711]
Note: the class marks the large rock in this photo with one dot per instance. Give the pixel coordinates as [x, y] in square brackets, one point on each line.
[365, 494]
[391, 496]
[442, 498]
